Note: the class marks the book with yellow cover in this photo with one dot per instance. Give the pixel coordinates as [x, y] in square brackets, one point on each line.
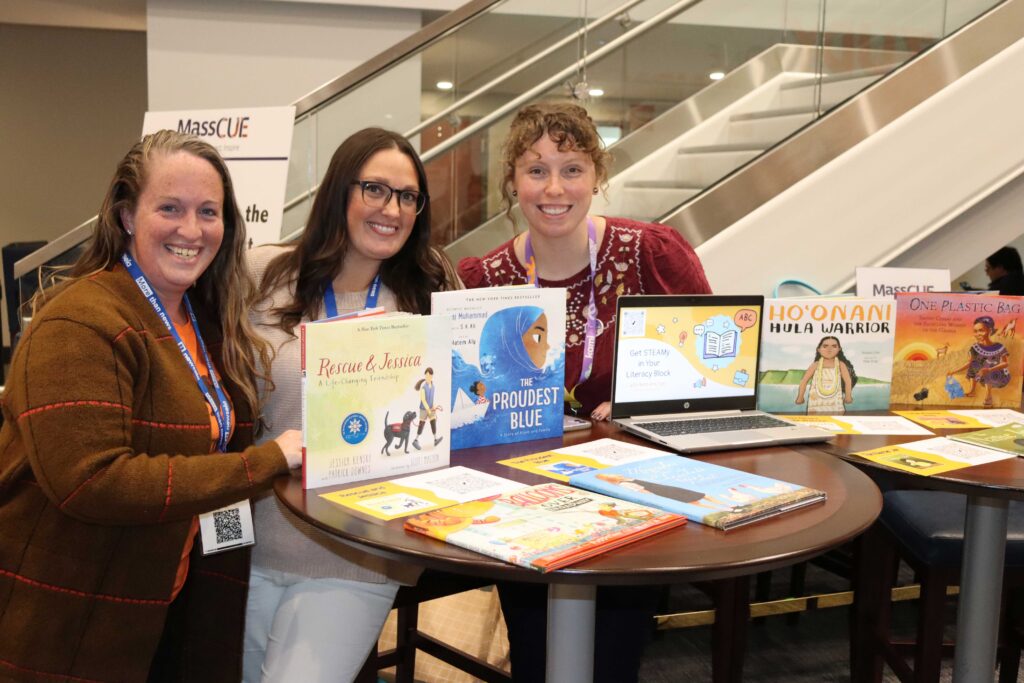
[374, 395]
[544, 527]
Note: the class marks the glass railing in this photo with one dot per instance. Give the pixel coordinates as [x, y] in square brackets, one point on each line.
[685, 92]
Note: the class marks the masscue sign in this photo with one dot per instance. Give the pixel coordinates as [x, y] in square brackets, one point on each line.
[255, 143]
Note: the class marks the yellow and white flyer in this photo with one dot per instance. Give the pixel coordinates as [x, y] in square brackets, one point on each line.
[860, 424]
[421, 492]
[963, 419]
[374, 397]
[933, 456]
[563, 463]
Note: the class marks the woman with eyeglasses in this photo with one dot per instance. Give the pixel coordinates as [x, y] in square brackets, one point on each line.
[316, 606]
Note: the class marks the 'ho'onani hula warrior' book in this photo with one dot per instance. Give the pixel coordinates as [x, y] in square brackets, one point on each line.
[374, 397]
[826, 356]
[508, 363]
[544, 527]
[957, 350]
[709, 494]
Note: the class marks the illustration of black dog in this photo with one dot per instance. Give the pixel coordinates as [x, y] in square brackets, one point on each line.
[397, 431]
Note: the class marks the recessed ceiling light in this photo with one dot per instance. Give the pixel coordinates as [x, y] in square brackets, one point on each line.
[716, 75]
[445, 85]
[596, 92]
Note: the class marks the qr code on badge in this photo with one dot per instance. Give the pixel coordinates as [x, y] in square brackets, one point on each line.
[227, 525]
[463, 483]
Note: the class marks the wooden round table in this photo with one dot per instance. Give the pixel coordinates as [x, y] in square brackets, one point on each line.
[690, 553]
[989, 488]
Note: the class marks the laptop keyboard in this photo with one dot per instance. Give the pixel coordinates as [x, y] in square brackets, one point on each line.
[716, 424]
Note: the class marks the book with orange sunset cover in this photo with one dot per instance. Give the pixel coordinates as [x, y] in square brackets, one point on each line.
[957, 350]
[544, 527]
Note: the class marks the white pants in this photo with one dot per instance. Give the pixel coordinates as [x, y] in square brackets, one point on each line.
[311, 630]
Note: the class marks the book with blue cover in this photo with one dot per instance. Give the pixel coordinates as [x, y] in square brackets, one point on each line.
[702, 492]
[508, 363]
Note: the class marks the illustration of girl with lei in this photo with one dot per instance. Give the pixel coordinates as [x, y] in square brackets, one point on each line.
[831, 378]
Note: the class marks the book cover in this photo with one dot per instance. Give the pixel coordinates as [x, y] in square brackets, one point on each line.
[957, 350]
[932, 456]
[826, 356]
[1007, 438]
[709, 494]
[374, 397]
[508, 363]
[544, 527]
[421, 492]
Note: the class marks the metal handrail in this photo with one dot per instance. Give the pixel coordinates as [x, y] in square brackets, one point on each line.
[522, 66]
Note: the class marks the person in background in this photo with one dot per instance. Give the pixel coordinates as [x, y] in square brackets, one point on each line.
[128, 412]
[317, 606]
[554, 164]
[1005, 271]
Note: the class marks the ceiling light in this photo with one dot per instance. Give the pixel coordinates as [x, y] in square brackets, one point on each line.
[445, 85]
[596, 92]
[716, 75]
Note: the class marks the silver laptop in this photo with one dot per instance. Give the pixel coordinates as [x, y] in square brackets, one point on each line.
[685, 374]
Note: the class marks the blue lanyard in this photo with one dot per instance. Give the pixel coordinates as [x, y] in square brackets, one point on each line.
[331, 304]
[220, 406]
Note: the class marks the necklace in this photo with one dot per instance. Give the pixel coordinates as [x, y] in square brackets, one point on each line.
[830, 389]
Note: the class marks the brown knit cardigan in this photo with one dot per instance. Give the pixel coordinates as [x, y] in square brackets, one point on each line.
[104, 462]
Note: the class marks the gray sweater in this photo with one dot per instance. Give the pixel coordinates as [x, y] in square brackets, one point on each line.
[283, 541]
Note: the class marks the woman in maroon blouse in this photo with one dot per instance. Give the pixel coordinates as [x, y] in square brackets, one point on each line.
[554, 165]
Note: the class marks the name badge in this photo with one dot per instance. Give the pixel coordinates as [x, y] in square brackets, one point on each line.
[227, 528]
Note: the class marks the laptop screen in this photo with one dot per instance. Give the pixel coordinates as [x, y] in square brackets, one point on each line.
[685, 353]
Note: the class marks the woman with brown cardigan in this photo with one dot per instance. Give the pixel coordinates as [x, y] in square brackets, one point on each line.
[129, 412]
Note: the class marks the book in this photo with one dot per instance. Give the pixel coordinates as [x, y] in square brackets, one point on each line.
[543, 527]
[709, 494]
[508, 363]
[421, 492]
[826, 355]
[1006, 438]
[932, 456]
[957, 350]
[372, 403]
[962, 419]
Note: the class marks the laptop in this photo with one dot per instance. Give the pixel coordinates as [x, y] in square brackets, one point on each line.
[685, 374]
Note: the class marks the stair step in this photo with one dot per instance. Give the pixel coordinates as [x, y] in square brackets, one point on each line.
[841, 76]
[661, 185]
[727, 148]
[780, 112]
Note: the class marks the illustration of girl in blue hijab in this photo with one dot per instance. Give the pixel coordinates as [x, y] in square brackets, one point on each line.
[516, 339]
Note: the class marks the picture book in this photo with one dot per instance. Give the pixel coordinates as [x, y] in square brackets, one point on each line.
[932, 456]
[957, 350]
[709, 494]
[374, 395]
[861, 424]
[421, 492]
[543, 527]
[508, 363]
[1007, 438]
[563, 463]
[962, 419]
[826, 355]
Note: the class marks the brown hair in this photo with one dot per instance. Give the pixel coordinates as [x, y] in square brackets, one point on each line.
[412, 274]
[568, 125]
[222, 289]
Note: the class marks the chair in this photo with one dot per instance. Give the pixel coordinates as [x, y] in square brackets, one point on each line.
[431, 585]
[925, 529]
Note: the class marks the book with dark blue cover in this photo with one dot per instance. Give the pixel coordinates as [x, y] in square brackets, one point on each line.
[709, 494]
[508, 363]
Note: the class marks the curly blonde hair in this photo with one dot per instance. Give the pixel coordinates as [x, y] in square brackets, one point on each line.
[222, 289]
[568, 125]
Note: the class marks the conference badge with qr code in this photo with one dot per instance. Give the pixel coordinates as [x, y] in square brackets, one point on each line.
[227, 528]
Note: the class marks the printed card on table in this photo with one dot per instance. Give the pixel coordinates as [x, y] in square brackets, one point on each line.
[563, 463]
[962, 419]
[860, 424]
[932, 456]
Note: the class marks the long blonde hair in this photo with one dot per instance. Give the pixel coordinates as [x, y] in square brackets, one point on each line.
[222, 289]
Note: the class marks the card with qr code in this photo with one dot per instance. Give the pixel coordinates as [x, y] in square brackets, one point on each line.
[227, 528]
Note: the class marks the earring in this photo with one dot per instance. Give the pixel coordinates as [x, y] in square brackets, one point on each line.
[514, 193]
[595, 190]
[129, 233]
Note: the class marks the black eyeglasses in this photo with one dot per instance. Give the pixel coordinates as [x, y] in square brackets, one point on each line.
[377, 195]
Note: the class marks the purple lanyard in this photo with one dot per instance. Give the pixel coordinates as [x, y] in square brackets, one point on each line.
[589, 344]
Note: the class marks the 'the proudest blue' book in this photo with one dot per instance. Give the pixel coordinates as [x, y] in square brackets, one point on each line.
[508, 363]
[709, 494]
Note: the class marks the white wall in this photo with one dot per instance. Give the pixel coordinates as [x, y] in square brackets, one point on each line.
[241, 53]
